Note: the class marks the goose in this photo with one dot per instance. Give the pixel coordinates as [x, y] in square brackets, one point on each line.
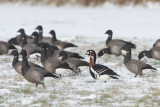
[74, 63]
[31, 48]
[133, 65]
[5, 47]
[157, 43]
[59, 43]
[152, 53]
[16, 41]
[41, 38]
[22, 33]
[99, 71]
[34, 74]
[49, 63]
[114, 46]
[54, 52]
[17, 65]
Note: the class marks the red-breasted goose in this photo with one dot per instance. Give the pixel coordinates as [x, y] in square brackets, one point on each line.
[133, 65]
[41, 38]
[50, 63]
[152, 53]
[59, 43]
[74, 63]
[34, 74]
[17, 65]
[99, 71]
[114, 46]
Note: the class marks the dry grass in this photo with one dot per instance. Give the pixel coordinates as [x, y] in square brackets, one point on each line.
[81, 2]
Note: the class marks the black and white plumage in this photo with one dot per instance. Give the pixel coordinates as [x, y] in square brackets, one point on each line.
[99, 71]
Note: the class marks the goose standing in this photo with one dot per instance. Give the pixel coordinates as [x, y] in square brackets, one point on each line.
[133, 65]
[114, 46]
[17, 65]
[34, 74]
[41, 38]
[99, 71]
[49, 63]
[31, 48]
[59, 43]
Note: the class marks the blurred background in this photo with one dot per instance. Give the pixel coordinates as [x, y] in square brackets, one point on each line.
[82, 18]
[82, 2]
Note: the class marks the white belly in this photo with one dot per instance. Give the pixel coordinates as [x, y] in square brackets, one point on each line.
[103, 77]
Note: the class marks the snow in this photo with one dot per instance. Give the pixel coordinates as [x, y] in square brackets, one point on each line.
[84, 27]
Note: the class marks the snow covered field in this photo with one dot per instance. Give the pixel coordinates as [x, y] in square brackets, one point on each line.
[84, 27]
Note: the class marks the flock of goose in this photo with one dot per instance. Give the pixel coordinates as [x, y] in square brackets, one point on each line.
[53, 55]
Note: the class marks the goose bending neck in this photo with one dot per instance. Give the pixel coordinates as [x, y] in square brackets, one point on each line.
[147, 53]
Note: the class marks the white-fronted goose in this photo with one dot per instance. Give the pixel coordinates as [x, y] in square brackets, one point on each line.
[59, 43]
[74, 63]
[34, 74]
[41, 38]
[152, 53]
[50, 63]
[133, 65]
[99, 71]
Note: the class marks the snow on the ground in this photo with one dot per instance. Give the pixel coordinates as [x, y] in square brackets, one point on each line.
[84, 27]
